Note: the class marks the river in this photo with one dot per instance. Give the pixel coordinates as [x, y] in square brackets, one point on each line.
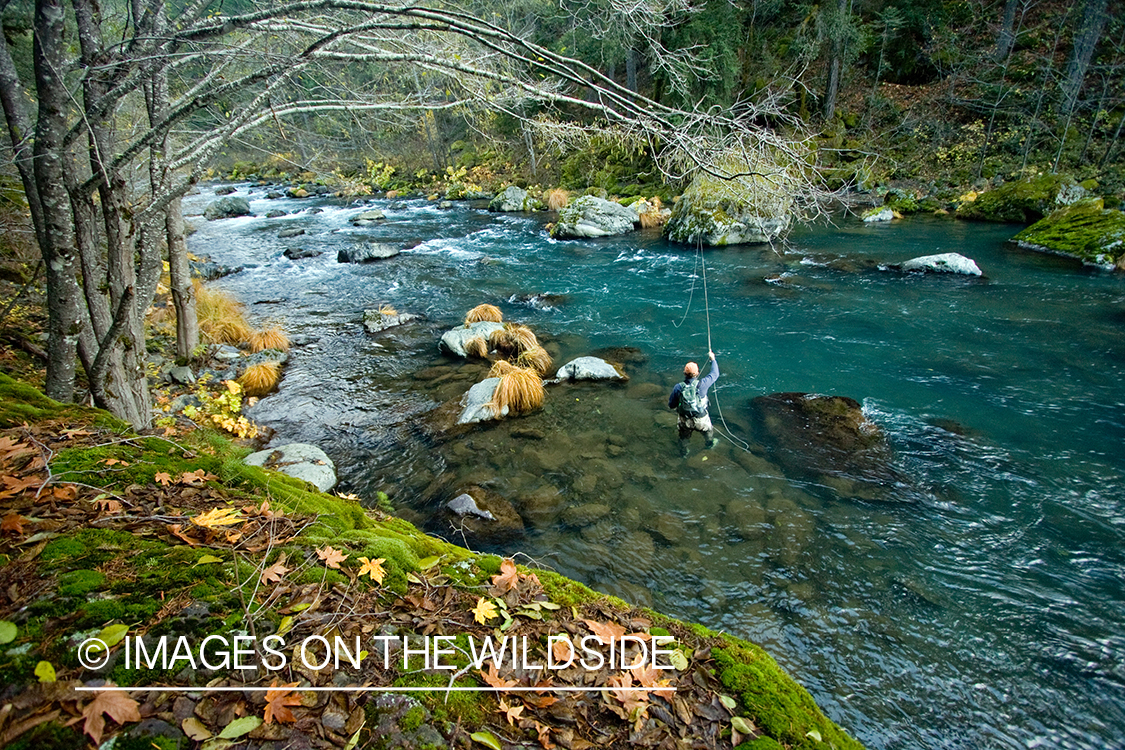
[981, 604]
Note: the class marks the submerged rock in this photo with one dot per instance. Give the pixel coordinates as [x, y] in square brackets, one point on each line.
[540, 301]
[298, 460]
[589, 368]
[367, 252]
[453, 342]
[590, 216]
[943, 263]
[292, 232]
[465, 505]
[829, 439]
[481, 515]
[377, 322]
[210, 271]
[226, 208]
[1086, 230]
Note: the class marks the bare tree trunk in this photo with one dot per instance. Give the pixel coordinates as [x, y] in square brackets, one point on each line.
[183, 291]
[631, 69]
[835, 61]
[64, 322]
[1093, 21]
[1006, 37]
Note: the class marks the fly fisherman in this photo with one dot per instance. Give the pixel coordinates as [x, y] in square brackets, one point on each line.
[689, 399]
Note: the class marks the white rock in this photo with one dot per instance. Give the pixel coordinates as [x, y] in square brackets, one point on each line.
[943, 263]
[591, 216]
[298, 460]
[453, 342]
[475, 403]
[588, 368]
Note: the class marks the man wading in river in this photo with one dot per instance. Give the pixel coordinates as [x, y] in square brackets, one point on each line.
[689, 399]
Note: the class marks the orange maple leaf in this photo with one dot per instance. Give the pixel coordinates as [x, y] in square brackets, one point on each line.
[606, 631]
[118, 706]
[13, 522]
[108, 505]
[544, 733]
[163, 478]
[332, 557]
[14, 485]
[634, 702]
[197, 477]
[508, 577]
[278, 702]
[274, 573]
[511, 713]
[372, 568]
[493, 678]
[650, 678]
[217, 517]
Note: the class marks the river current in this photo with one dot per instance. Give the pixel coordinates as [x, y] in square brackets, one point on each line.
[981, 604]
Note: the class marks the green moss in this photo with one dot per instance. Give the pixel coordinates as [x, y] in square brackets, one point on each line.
[20, 403]
[782, 708]
[50, 736]
[1086, 230]
[413, 719]
[101, 612]
[1022, 201]
[467, 707]
[762, 743]
[80, 582]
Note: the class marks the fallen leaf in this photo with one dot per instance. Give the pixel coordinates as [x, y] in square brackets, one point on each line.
[485, 611]
[650, 678]
[239, 727]
[606, 631]
[194, 729]
[493, 678]
[111, 635]
[274, 574]
[15, 485]
[8, 631]
[544, 732]
[118, 706]
[511, 713]
[278, 702]
[108, 505]
[332, 557]
[487, 739]
[508, 578]
[217, 517]
[45, 671]
[115, 462]
[12, 524]
[163, 478]
[207, 560]
[741, 725]
[195, 478]
[373, 568]
[65, 493]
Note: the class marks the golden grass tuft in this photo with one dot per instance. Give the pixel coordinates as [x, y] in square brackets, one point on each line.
[484, 312]
[260, 379]
[500, 368]
[387, 311]
[513, 339]
[557, 198]
[535, 358]
[653, 217]
[271, 338]
[520, 390]
[476, 347]
[221, 320]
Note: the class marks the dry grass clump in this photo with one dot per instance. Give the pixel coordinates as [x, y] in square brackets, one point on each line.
[260, 379]
[520, 390]
[511, 340]
[535, 358]
[653, 217]
[221, 320]
[387, 311]
[271, 338]
[476, 347]
[557, 198]
[484, 312]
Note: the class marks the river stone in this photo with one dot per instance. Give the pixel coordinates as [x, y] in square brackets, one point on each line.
[513, 199]
[300, 253]
[588, 368]
[210, 271]
[182, 375]
[1087, 231]
[886, 213]
[475, 406]
[299, 460]
[226, 208]
[718, 212]
[943, 263]
[276, 213]
[585, 514]
[376, 322]
[495, 520]
[367, 252]
[453, 342]
[465, 505]
[365, 218]
[667, 526]
[590, 216]
[297, 193]
[285, 234]
[226, 190]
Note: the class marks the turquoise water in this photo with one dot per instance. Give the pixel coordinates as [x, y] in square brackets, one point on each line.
[979, 604]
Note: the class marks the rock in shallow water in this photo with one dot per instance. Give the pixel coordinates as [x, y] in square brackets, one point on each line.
[589, 368]
[943, 263]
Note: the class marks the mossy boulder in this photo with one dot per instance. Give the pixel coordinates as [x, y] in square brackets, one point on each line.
[590, 216]
[1086, 230]
[735, 211]
[1023, 201]
[513, 199]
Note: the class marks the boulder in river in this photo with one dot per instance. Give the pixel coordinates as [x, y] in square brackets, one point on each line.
[291, 232]
[829, 439]
[301, 253]
[367, 252]
[752, 209]
[1086, 230]
[878, 214]
[943, 263]
[512, 199]
[475, 402]
[377, 321]
[453, 342]
[226, 208]
[298, 460]
[589, 368]
[590, 216]
[1024, 201]
[367, 218]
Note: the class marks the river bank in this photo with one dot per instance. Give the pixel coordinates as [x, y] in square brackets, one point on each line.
[120, 537]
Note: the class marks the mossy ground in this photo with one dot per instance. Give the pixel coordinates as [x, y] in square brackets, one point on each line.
[1087, 230]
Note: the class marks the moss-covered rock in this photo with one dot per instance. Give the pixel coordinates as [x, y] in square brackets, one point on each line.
[1023, 201]
[1087, 230]
[752, 208]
